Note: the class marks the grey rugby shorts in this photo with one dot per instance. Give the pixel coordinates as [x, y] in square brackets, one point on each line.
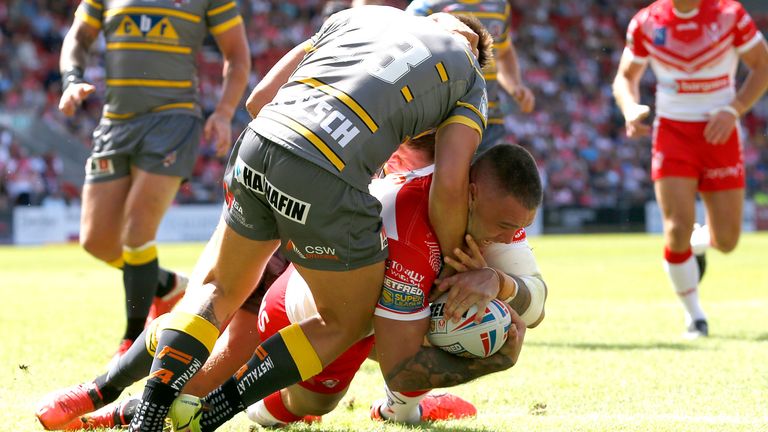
[323, 222]
[158, 143]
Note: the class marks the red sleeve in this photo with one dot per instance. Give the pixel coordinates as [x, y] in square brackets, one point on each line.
[635, 35]
[745, 29]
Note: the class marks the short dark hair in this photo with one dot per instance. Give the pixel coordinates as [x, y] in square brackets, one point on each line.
[423, 142]
[333, 6]
[514, 171]
[485, 40]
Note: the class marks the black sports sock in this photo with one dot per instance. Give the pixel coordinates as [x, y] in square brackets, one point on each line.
[166, 280]
[271, 368]
[184, 344]
[140, 275]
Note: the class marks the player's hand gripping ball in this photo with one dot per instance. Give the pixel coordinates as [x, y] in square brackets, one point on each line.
[466, 338]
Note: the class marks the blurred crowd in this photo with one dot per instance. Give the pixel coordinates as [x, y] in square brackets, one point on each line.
[568, 52]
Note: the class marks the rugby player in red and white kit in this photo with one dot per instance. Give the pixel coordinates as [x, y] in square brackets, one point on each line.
[694, 48]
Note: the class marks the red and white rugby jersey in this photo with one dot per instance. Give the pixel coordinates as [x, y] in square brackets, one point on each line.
[694, 55]
[414, 252]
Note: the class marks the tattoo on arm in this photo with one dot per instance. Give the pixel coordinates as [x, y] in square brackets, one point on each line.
[207, 312]
[433, 368]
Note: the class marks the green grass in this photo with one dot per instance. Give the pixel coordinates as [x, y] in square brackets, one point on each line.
[608, 357]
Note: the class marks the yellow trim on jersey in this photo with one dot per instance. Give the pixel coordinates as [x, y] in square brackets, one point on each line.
[94, 5]
[187, 105]
[316, 141]
[226, 25]
[305, 357]
[441, 71]
[91, 21]
[503, 45]
[137, 82]
[488, 15]
[343, 98]
[193, 325]
[406, 92]
[148, 47]
[115, 116]
[152, 10]
[463, 120]
[474, 110]
[221, 9]
[472, 59]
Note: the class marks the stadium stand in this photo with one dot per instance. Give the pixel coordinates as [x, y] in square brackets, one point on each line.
[568, 50]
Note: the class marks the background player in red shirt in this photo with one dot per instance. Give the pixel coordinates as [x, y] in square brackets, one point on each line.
[694, 47]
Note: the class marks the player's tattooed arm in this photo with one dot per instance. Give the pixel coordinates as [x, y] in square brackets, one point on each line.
[432, 368]
[207, 312]
[74, 50]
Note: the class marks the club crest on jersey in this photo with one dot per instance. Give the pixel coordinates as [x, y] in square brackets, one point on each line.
[157, 28]
[660, 36]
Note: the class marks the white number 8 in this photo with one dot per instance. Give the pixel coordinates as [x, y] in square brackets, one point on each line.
[394, 63]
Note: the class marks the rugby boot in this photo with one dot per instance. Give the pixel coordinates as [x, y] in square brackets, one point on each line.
[698, 328]
[164, 304]
[59, 408]
[114, 415]
[446, 406]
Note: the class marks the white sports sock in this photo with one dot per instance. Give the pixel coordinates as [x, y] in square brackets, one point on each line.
[259, 413]
[401, 408]
[700, 239]
[685, 280]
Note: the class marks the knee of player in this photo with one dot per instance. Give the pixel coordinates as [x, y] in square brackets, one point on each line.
[726, 245]
[98, 249]
[352, 326]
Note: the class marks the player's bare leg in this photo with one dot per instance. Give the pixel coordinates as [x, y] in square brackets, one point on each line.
[677, 200]
[724, 215]
[108, 221]
[345, 301]
[293, 404]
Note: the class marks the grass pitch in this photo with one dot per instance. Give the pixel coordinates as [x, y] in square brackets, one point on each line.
[608, 357]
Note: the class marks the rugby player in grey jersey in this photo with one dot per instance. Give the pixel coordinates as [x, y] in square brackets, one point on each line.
[146, 142]
[371, 77]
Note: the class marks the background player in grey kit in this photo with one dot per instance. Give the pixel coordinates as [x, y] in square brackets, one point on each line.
[501, 74]
[146, 142]
[371, 77]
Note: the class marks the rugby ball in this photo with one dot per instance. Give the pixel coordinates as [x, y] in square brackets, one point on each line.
[466, 338]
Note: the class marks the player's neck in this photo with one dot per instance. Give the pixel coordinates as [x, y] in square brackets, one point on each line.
[685, 7]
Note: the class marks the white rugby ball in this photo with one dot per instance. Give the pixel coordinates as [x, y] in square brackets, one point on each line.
[466, 338]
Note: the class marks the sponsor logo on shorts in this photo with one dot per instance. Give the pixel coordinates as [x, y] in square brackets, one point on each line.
[657, 161]
[330, 383]
[725, 172]
[401, 297]
[170, 159]
[96, 167]
[292, 208]
[312, 251]
[708, 85]
[402, 272]
[383, 239]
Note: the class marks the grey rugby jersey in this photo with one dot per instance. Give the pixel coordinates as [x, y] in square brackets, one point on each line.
[372, 77]
[151, 49]
[495, 16]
